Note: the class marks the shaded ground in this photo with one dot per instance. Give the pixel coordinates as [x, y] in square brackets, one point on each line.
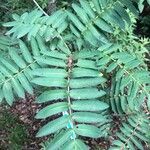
[18, 126]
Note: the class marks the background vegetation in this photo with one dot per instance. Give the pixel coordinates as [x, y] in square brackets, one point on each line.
[15, 132]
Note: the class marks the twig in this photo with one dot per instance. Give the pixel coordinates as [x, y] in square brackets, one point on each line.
[40, 8]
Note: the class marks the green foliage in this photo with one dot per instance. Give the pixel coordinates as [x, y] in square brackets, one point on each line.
[16, 71]
[6, 43]
[129, 79]
[33, 23]
[74, 84]
[132, 133]
[91, 65]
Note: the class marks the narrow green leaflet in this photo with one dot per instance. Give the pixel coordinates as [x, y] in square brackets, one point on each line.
[80, 12]
[18, 88]
[86, 93]
[10, 65]
[8, 94]
[86, 53]
[88, 117]
[59, 140]
[86, 82]
[55, 54]
[76, 21]
[51, 73]
[25, 83]
[103, 25]
[51, 61]
[25, 52]
[86, 64]
[53, 126]
[34, 46]
[52, 110]
[88, 131]
[83, 105]
[81, 72]
[51, 95]
[87, 8]
[16, 58]
[50, 82]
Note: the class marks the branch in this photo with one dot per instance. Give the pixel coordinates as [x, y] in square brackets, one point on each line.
[40, 8]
